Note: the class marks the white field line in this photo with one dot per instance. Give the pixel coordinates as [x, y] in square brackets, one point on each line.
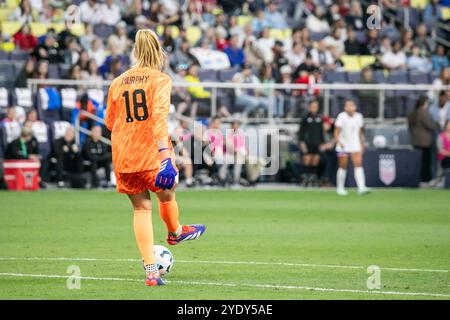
[306, 265]
[234, 285]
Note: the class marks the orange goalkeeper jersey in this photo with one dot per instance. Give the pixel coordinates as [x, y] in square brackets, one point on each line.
[136, 113]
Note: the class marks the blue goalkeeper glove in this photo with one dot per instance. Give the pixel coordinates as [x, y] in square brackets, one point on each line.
[167, 174]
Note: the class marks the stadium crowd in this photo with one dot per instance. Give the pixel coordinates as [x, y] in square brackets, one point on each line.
[288, 41]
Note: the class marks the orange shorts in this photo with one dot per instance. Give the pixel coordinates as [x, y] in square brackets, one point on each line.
[137, 182]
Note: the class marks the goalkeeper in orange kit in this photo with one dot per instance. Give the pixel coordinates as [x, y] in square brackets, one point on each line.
[137, 111]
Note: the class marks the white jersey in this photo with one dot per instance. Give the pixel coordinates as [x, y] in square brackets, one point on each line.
[349, 135]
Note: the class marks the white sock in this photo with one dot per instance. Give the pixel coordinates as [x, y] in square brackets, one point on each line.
[360, 178]
[189, 180]
[340, 178]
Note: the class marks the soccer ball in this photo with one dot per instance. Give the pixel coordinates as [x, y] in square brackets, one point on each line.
[164, 259]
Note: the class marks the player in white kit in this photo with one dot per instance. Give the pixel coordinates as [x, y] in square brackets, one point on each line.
[350, 140]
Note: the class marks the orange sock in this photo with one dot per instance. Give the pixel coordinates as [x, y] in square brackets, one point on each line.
[169, 214]
[143, 231]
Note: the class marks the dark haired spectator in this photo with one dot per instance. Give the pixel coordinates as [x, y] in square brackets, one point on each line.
[23, 13]
[266, 76]
[24, 39]
[307, 66]
[200, 97]
[192, 16]
[182, 55]
[83, 60]
[115, 69]
[64, 36]
[48, 50]
[279, 58]
[250, 100]
[407, 40]
[439, 60]
[98, 154]
[394, 59]
[442, 80]
[168, 43]
[26, 73]
[234, 52]
[352, 45]
[417, 62]
[432, 13]
[71, 54]
[440, 109]
[92, 73]
[88, 36]
[317, 22]
[41, 71]
[422, 128]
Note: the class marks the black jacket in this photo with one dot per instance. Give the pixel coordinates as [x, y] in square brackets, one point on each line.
[14, 149]
[68, 150]
[311, 129]
[96, 150]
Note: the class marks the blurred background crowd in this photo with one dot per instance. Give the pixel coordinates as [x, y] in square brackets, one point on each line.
[252, 42]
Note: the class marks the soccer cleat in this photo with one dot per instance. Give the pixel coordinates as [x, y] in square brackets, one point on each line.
[154, 279]
[189, 232]
[342, 192]
[364, 191]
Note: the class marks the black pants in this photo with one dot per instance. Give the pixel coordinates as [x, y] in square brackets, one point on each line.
[425, 170]
[96, 164]
[71, 165]
[445, 163]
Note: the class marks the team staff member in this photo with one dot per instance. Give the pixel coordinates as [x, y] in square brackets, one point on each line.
[311, 137]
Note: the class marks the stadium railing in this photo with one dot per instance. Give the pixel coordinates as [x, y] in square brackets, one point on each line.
[395, 128]
[326, 89]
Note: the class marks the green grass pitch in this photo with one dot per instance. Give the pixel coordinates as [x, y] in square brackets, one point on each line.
[258, 245]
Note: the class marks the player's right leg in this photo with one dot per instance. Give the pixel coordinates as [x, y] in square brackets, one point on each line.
[341, 174]
[143, 231]
[168, 210]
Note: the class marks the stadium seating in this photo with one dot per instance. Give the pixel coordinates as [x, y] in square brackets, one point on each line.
[6, 70]
[193, 34]
[22, 97]
[103, 31]
[351, 63]
[208, 75]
